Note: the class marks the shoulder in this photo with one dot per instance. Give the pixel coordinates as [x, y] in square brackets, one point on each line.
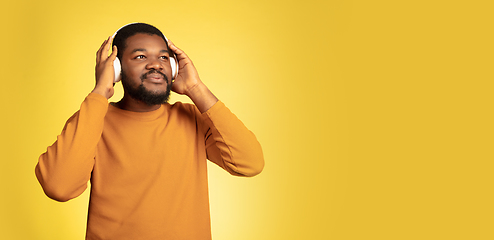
[183, 110]
[183, 107]
[186, 114]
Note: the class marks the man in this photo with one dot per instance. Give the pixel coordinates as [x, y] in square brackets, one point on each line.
[145, 158]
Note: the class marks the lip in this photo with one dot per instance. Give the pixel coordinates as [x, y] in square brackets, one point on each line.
[155, 78]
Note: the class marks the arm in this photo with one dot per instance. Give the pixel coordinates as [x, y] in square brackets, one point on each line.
[65, 168]
[229, 143]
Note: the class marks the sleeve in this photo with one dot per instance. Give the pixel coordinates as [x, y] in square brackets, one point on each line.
[230, 145]
[65, 168]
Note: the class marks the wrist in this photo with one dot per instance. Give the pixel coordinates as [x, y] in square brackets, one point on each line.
[202, 97]
[105, 92]
[195, 90]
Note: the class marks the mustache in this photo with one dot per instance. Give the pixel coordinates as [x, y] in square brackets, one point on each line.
[145, 75]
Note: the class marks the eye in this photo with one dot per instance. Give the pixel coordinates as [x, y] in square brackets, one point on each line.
[140, 57]
[164, 57]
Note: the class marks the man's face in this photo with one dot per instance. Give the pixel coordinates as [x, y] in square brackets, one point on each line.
[146, 70]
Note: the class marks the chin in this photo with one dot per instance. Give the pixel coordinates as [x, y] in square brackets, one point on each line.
[144, 94]
[150, 97]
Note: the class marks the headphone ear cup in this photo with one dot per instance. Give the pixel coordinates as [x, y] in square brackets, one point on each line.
[174, 65]
[118, 70]
[173, 62]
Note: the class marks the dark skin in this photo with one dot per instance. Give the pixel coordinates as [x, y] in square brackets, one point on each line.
[143, 53]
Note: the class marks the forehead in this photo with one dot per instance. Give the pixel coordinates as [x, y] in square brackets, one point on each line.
[145, 41]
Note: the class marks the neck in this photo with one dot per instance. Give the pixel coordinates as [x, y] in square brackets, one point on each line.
[130, 104]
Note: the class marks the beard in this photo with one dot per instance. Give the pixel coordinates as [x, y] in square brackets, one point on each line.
[142, 94]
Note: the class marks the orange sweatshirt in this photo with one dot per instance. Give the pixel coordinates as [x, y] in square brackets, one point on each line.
[147, 170]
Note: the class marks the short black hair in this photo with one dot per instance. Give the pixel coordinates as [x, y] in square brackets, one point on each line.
[131, 30]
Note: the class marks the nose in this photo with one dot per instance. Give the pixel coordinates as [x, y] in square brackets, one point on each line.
[154, 64]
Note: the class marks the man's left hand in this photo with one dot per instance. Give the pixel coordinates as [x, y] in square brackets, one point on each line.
[187, 78]
[188, 82]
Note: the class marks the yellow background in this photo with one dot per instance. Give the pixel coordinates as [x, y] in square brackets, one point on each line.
[375, 117]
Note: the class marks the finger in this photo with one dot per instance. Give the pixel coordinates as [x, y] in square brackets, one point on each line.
[107, 46]
[173, 47]
[113, 55]
[170, 42]
[179, 52]
[99, 54]
[102, 45]
[103, 54]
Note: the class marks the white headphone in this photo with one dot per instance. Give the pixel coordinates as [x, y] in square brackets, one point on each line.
[118, 67]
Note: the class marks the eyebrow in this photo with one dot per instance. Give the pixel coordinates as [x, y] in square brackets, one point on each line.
[144, 50]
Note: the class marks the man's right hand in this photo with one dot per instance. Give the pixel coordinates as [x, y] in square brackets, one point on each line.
[105, 72]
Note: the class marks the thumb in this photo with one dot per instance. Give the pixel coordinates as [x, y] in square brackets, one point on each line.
[113, 54]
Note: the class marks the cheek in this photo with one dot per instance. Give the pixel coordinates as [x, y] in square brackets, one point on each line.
[131, 72]
[166, 68]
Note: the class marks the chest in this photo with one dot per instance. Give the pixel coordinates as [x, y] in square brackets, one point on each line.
[133, 151]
